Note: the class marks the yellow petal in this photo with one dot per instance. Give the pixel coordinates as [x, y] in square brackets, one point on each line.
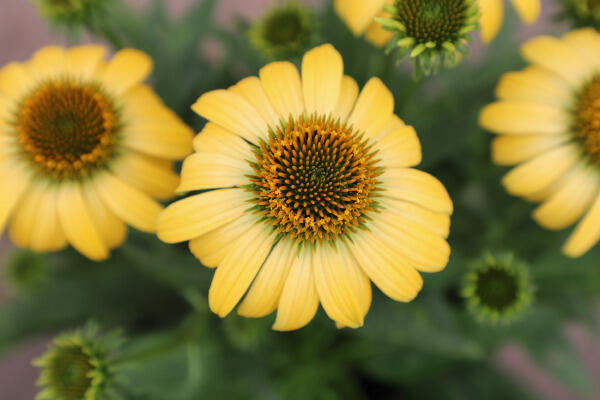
[24, 217]
[541, 171]
[437, 223]
[128, 203]
[586, 234]
[111, 229]
[282, 84]
[514, 117]
[358, 14]
[393, 124]
[83, 62]
[48, 62]
[393, 276]
[77, 223]
[216, 139]
[199, 214]
[513, 149]
[347, 98]
[556, 56]
[202, 171]
[299, 300]
[400, 148]
[237, 270]
[424, 250]
[13, 184]
[252, 91]
[322, 72]
[15, 81]
[47, 233]
[338, 284]
[232, 112]
[128, 67]
[159, 136]
[374, 107]
[569, 203]
[549, 190]
[528, 10]
[416, 187]
[535, 85]
[377, 35]
[212, 247]
[490, 20]
[586, 42]
[264, 294]
[148, 174]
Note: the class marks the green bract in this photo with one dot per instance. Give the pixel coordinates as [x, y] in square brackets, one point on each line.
[70, 12]
[432, 32]
[582, 12]
[497, 289]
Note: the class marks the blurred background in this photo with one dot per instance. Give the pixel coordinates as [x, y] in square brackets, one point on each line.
[22, 31]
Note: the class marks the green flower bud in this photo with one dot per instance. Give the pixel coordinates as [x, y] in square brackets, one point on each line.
[25, 270]
[582, 12]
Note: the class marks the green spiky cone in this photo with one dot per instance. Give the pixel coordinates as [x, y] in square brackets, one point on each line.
[433, 33]
[284, 31]
[80, 365]
[497, 289]
[581, 13]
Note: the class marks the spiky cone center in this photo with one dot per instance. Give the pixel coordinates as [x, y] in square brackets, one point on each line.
[497, 288]
[432, 21]
[67, 129]
[587, 120]
[315, 179]
[69, 373]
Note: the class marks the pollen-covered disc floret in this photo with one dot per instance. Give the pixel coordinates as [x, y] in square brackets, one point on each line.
[67, 129]
[587, 120]
[433, 32]
[316, 179]
[497, 289]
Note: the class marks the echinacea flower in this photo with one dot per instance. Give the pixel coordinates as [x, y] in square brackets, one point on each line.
[80, 365]
[548, 119]
[497, 289]
[85, 147]
[492, 15]
[309, 196]
[286, 31]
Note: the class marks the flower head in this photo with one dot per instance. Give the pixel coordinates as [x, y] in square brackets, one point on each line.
[582, 12]
[492, 15]
[79, 366]
[85, 147]
[497, 289]
[70, 12]
[432, 32]
[309, 196]
[548, 118]
[284, 32]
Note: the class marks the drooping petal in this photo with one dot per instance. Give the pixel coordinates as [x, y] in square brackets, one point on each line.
[237, 270]
[110, 227]
[13, 184]
[586, 234]
[322, 72]
[528, 10]
[492, 15]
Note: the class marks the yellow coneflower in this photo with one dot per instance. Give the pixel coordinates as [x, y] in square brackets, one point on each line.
[548, 119]
[492, 15]
[310, 195]
[85, 147]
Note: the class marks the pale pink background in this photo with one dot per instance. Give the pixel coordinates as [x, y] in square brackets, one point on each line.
[22, 31]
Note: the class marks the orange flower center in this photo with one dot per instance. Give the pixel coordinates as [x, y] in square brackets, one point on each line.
[587, 120]
[67, 129]
[316, 179]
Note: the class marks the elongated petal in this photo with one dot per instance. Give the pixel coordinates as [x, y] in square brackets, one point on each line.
[374, 107]
[299, 300]
[540, 171]
[515, 149]
[586, 42]
[400, 148]
[377, 35]
[232, 112]
[212, 171]
[252, 91]
[264, 294]
[48, 62]
[529, 10]
[126, 69]
[13, 184]
[148, 174]
[358, 14]
[83, 61]
[347, 98]
[77, 223]
[571, 201]
[513, 117]
[110, 227]
[160, 137]
[492, 15]
[437, 223]
[417, 187]
[282, 84]
[586, 234]
[23, 221]
[216, 139]
[535, 85]
[128, 203]
[199, 214]
[322, 72]
[15, 80]
[238, 269]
